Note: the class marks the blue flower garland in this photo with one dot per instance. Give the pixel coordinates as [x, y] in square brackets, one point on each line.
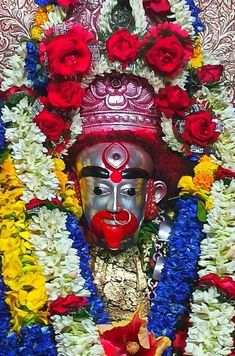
[96, 304]
[2, 129]
[34, 69]
[195, 11]
[34, 340]
[179, 272]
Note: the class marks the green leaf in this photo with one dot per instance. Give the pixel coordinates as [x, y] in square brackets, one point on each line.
[201, 211]
[4, 152]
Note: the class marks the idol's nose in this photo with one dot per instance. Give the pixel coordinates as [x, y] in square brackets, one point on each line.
[114, 204]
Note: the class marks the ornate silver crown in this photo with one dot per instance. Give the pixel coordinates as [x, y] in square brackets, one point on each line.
[119, 102]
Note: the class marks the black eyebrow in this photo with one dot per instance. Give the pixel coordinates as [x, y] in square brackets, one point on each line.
[94, 171]
[132, 173]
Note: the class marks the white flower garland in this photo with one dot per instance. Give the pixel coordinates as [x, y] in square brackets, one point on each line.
[73, 338]
[33, 166]
[212, 325]
[169, 137]
[53, 249]
[139, 16]
[137, 12]
[60, 266]
[15, 75]
[182, 14]
[220, 229]
[211, 332]
[75, 130]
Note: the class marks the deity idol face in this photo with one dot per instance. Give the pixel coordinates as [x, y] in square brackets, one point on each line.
[113, 180]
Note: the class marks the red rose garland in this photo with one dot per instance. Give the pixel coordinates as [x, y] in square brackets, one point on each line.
[52, 125]
[160, 7]
[172, 100]
[200, 129]
[210, 73]
[171, 49]
[69, 54]
[66, 3]
[122, 46]
[65, 95]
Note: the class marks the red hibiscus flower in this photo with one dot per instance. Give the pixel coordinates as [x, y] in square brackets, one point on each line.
[69, 54]
[68, 304]
[172, 100]
[170, 51]
[52, 125]
[200, 129]
[65, 95]
[122, 46]
[210, 73]
[161, 7]
[131, 337]
[226, 284]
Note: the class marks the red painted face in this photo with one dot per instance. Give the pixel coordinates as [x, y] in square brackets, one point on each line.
[114, 227]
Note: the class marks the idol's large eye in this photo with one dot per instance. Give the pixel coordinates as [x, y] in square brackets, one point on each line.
[100, 190]
[97, 190]
[129, 191]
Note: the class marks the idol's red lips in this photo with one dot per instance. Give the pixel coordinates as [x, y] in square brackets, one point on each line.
[114, 227]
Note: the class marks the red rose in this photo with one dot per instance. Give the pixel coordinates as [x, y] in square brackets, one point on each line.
[157, 6]
[66, 3]
[68, 304]
[52, 125]
[166, 56]
[122, 46]
[222, 173]
[38, 202]
[210, 73]
[172, 100]
[227, 284]
[199, 129]
[65, 95]
[4, 95]
[69, 54]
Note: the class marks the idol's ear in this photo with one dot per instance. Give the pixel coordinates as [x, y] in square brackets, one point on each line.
[160, 190]
[155, 192]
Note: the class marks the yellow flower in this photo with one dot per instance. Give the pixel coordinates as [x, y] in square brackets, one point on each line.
[203, 180]
[196, 60]
[209, 204]
[40, 18]
[71, 203]
[205, 164]
[59, 164]
[189, 187]
[11, 266]
[49, 8]
[36, 32]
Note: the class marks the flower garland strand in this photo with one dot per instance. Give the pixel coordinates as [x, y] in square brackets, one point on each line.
[62, 266]
[79, 243]
[33, 166]
[34, 338]
[26, 295]
[179, 272]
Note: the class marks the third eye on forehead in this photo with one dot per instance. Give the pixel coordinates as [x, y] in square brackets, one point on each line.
[100, 172]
